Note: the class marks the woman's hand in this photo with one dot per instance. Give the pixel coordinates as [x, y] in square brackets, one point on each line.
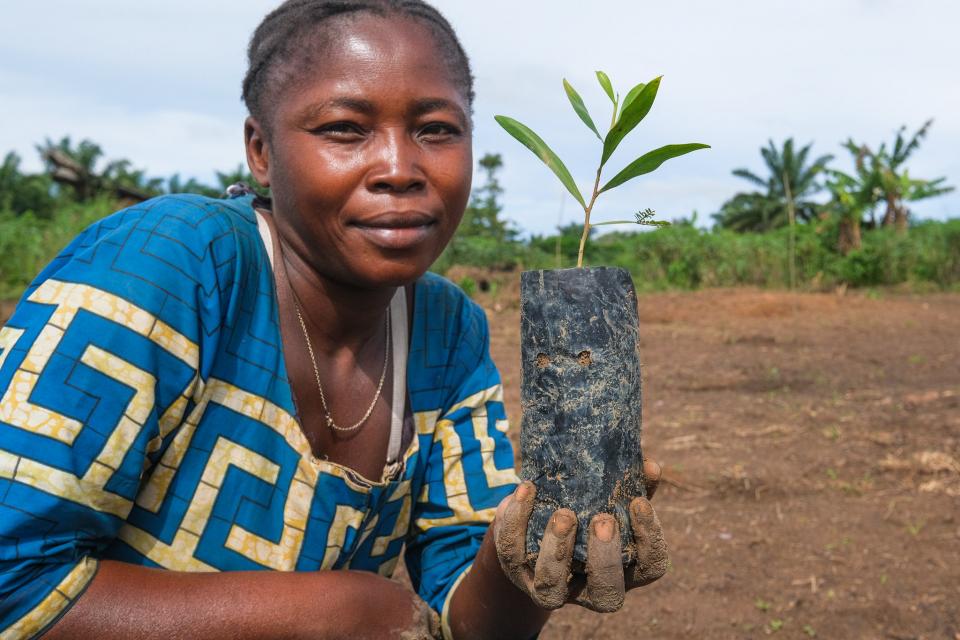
[551, 583]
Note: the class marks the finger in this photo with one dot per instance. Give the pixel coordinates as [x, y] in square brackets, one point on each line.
[511, 536]
[652, 472]
[652, 556]
[552, 573]
[605, 585]
[498, 515]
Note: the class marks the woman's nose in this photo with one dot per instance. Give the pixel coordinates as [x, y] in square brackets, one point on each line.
[396, 167]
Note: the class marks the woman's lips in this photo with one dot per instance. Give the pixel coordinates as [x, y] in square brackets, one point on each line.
[397, 231]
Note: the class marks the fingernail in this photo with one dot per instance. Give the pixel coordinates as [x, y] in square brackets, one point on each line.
[642, 507]
[603, 529]
[523, 491]
[562, 523]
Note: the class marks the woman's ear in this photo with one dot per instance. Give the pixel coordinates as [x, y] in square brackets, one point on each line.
[258, 153]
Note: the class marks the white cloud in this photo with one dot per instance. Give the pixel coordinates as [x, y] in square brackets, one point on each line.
[159, 83]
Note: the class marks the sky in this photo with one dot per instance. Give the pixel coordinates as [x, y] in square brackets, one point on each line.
[159, 83]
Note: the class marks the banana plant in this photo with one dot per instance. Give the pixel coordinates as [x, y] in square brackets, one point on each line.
[626, 116]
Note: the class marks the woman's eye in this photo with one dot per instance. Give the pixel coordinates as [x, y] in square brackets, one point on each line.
[439, 131]
[340, 130]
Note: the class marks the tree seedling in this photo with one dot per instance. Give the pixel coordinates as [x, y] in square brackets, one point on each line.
[579, 332]
[626, 116]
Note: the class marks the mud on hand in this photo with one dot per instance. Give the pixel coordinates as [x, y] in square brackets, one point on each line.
[551, 583]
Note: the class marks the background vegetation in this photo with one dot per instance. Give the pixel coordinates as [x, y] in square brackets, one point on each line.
[804, 225]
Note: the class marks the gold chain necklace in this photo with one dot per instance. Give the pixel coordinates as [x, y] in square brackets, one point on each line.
[316, 372]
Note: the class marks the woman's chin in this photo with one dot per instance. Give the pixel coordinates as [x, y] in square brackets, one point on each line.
[395, 272]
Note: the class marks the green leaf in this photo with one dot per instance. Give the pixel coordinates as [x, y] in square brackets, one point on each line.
[535, 143]
[651, 161]
[632, 95]
[580, 108]
[607, 86]
[636, 111]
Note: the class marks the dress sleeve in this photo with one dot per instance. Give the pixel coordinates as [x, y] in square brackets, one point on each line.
[98, 364]
[469, 469]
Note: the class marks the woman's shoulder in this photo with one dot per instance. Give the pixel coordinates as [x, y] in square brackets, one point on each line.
[446, 303]
[182, 229]
[188, 218]
[450, 347]
[448, 325]
[170, 245]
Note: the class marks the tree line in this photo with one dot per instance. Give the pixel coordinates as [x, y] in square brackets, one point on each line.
[880, 180]
[79, 173]
[850, 227]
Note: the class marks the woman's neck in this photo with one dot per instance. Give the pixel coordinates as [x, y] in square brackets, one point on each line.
[339, 316]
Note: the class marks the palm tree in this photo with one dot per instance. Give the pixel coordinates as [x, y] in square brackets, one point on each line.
[882, 177]
[847, 206]
[790, 178]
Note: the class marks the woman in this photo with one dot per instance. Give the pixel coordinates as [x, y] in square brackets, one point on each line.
[196, 390]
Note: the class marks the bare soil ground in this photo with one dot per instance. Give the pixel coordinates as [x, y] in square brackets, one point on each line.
[810, 444]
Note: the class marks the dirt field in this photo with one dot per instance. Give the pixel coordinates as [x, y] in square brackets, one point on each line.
[810, 445]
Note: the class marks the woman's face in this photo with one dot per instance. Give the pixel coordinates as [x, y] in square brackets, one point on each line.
[368, 155]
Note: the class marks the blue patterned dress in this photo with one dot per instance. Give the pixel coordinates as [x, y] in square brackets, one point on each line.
[145, 416]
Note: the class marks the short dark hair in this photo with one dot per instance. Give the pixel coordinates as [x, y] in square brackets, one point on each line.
[282, 36]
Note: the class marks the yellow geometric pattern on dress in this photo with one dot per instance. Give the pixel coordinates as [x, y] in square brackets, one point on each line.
[367, 531]
[8, 340]
[282, 555]
[179, 554]
[89, 489]
[402, 525]
[134, 417]
[16, 408]
[387, 568]
[454, 479]
[344, 518]
[61, 484]
[153, 492]
[8, 465]
[54, 604]
[426, 422]
[495, 477]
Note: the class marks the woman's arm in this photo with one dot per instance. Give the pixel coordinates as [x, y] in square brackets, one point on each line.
[488, 605]
[127, 601]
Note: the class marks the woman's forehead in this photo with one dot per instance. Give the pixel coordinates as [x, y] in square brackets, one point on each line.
[374, 57]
